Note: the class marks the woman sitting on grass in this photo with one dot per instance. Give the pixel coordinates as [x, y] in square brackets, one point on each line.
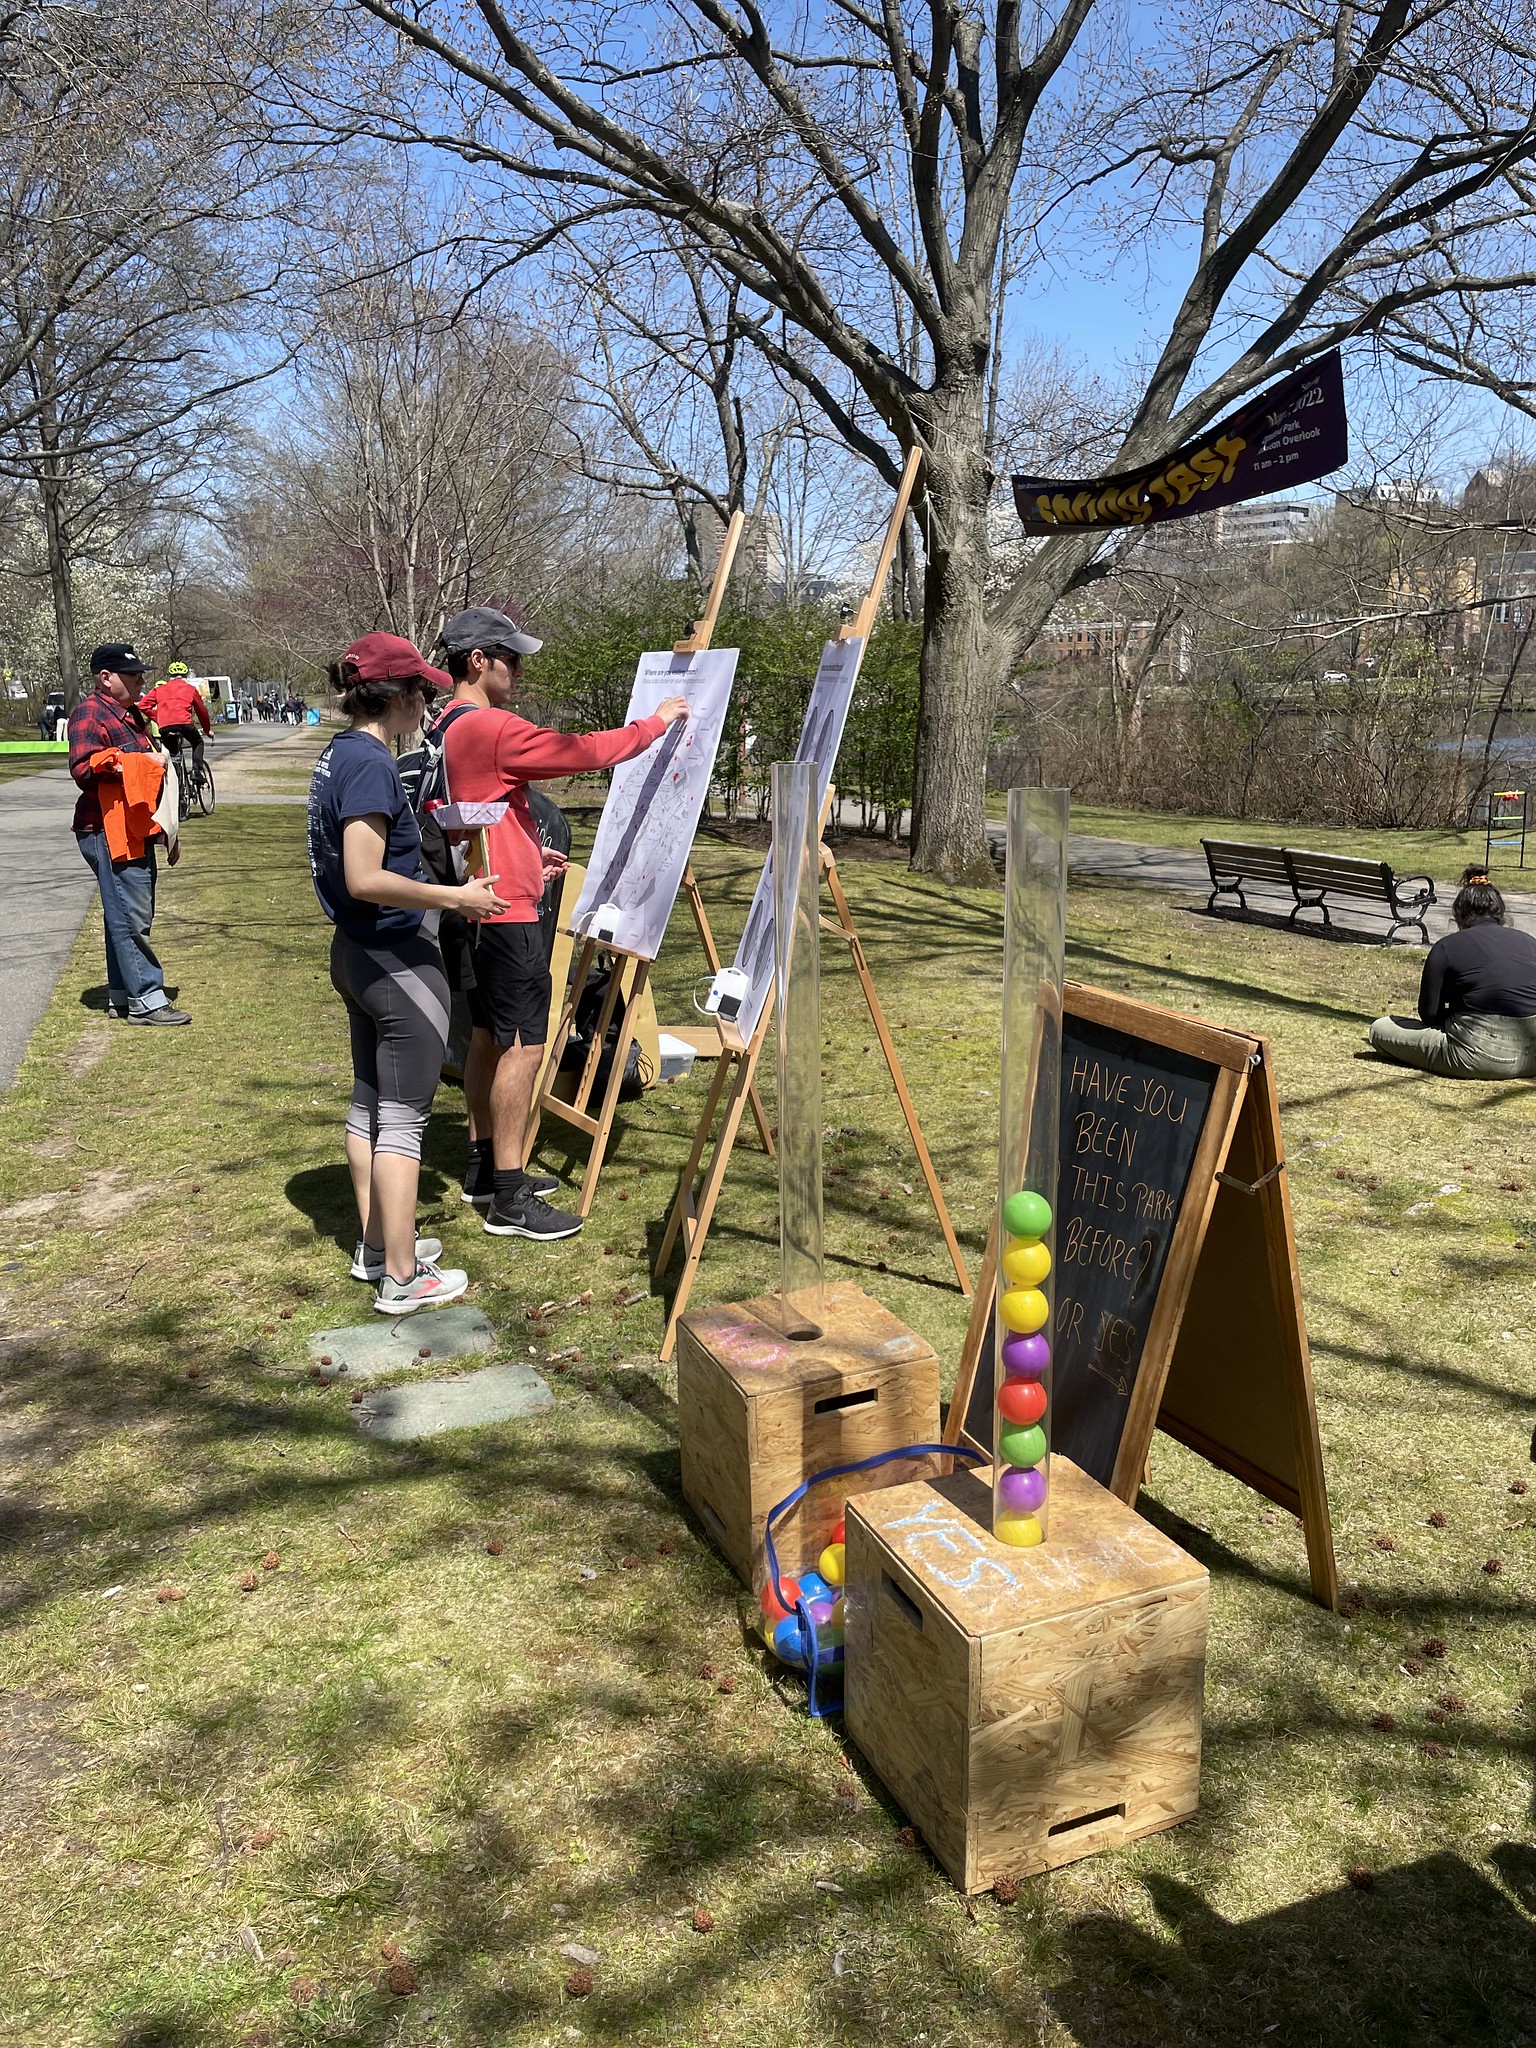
[1477, 997]
[365, 855]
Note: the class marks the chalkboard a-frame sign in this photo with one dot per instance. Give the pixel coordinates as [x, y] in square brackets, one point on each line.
[1178, 1302]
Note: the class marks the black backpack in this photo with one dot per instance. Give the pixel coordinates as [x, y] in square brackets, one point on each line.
[424, 771]
[424, 777]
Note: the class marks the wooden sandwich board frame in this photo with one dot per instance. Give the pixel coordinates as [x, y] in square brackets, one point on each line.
[1225, 1368]
[597, 1123]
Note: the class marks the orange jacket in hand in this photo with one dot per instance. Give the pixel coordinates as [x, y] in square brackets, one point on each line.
[128, 801]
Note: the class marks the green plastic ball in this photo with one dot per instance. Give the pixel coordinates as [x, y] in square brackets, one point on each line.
[1022, 1447]
[1026, 1214]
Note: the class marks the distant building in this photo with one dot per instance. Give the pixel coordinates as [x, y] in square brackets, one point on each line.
[1079, 639]
[1264, 523]
[760, 555]
[1405, 491]
[1509, 586]
[1191, 547]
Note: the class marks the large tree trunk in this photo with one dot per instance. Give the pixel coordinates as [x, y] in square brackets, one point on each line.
[61, 580]
[52, 481]
[963, 660]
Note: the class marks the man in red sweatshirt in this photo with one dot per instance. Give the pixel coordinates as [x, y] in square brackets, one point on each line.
[490, 755]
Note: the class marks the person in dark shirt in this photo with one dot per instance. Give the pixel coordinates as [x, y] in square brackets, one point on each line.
[365, 858]
[1477, 997]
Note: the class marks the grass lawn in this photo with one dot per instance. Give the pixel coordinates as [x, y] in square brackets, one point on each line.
[14, 765]
[221, 1813]
[1441, 855]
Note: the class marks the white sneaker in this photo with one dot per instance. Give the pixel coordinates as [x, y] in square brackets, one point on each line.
[368, 1264]
[433, 1287]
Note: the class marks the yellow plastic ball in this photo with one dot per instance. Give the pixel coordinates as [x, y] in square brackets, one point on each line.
[830, 1564]
[1026, 1262]
[1024, 1309]
[1022, 1531]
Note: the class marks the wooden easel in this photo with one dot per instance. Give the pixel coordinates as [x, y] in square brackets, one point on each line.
[734, 1079]
[1224, 1366]
[733, 1082]
[598, 1125]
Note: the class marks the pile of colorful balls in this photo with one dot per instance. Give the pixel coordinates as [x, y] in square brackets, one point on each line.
[818, 1594]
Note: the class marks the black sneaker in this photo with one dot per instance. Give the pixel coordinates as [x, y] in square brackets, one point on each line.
[480, 1183]
[526, 1216]
[164, 1015]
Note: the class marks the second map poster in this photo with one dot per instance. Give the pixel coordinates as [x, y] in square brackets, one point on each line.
[820, 737]
[654, 802]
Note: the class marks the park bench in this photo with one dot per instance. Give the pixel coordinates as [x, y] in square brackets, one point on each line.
[1313, 878]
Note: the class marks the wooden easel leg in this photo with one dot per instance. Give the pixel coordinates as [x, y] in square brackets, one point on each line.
[719, 1081]
[582, 1098]
[848, 932]
[975, 1339]
[557, 1045]
[709, 1194]
[701, 918]
[599, 1146]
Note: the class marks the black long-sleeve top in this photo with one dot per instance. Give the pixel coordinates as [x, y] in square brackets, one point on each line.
[1489, 969]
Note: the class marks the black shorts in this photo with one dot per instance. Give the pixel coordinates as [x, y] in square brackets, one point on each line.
[512, 990]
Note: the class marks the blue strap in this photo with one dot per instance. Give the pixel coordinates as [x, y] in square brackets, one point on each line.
[776, 1514]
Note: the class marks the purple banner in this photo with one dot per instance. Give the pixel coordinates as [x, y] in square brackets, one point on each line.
[1291, 434]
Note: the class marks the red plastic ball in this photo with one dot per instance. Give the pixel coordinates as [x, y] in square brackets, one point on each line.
[774, 1610]
[839, 1534]
[1021, 1401]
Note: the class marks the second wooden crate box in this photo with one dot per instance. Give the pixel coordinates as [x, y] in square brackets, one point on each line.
[758, 1412]
[1025, 1707]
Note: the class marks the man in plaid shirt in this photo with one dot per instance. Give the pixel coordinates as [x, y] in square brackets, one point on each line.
[108, 720]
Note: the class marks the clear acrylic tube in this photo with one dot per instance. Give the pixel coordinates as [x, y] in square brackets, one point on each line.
[1034, 947]
[797, 991]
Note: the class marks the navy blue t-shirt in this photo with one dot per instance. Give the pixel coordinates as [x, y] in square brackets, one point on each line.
[356, 777]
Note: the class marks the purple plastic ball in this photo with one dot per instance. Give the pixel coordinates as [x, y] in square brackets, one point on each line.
[1021, 1492]
[1026, 1357]
[821, 1612]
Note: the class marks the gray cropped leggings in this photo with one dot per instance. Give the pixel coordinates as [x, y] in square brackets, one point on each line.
[397, 1008]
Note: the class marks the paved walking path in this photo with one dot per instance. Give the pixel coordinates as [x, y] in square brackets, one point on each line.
[49, 888]
[1179, 873]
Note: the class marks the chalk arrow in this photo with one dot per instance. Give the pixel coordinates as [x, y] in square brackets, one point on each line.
[1116, 1380]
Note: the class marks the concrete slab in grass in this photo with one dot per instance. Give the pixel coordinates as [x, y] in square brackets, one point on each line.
[497, 1393]
[366, 1351]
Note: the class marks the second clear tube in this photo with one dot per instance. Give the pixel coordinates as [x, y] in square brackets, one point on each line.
[797, 991]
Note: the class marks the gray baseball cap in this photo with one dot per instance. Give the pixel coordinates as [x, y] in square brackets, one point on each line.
[489, 630]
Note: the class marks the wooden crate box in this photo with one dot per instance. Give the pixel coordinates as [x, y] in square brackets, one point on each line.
[759, 1412]
[1025, 1707]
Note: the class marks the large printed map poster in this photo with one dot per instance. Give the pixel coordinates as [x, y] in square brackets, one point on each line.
[654, 802]
[820, 737]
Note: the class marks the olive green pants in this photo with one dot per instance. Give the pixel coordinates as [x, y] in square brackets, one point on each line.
[1470, 1048]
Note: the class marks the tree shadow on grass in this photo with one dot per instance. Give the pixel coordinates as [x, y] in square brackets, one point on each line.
[698, 1795]
[1431, 1955]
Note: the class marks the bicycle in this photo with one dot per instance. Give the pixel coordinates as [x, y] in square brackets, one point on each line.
[195, 786]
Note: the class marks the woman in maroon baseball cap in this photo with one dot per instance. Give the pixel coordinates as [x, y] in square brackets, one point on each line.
[365, 856]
